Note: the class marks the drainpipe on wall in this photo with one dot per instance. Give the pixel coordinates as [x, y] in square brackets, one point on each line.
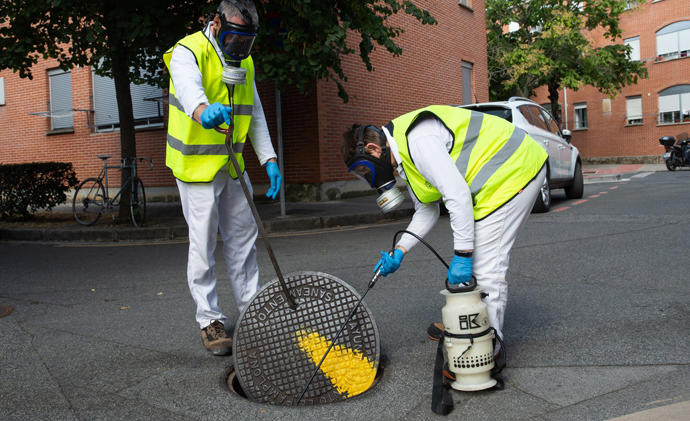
[565, 107]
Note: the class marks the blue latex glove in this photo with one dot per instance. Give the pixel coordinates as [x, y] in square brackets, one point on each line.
[460, 270]
[388, 263]
[275, 177]
[215, 115]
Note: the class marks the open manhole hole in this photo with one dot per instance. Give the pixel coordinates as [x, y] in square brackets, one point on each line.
[276, 349]
[230, 382]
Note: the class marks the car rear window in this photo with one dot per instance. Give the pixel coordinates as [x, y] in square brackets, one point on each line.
[504, 113]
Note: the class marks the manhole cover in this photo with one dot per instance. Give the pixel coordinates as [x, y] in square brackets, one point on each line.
[5, 310]
[276, 348]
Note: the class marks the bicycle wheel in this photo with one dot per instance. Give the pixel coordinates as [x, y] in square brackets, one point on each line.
[88, 202]
[137, 203]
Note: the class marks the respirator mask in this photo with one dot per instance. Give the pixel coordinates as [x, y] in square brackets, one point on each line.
[235, 41]
[377, 172]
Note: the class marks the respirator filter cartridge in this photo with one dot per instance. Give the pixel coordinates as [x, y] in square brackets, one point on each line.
[234, 75]
[390, 200]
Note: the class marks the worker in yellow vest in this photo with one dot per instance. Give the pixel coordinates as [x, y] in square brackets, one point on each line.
[210, 191]
[486, 171]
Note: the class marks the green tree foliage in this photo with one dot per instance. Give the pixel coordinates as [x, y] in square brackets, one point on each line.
[553, 46]
[302, 41]
[120, 39]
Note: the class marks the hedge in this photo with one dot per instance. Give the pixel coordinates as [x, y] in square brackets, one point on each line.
[25, 188]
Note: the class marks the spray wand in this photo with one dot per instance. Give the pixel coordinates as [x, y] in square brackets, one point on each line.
[233, 75]
[375, 278]
[371, 284]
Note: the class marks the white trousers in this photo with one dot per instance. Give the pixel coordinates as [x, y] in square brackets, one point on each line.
[208, 207]
[494, 236]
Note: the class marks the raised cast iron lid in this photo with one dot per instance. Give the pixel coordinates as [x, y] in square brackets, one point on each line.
[276, 349]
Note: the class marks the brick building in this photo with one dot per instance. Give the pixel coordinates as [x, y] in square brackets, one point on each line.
[627, 127]
[442, 64]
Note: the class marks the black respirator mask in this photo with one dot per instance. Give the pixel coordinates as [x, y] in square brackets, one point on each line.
[377, 172]
[235, 41]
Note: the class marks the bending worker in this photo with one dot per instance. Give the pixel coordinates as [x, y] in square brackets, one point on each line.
[487, 171]
[210, 191]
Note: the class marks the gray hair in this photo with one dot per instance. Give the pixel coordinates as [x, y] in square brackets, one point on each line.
[244, 9]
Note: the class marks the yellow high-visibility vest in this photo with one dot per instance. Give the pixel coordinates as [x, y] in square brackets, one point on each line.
[496, 158]
[195, 154]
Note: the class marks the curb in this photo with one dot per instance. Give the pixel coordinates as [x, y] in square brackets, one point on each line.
[601, 178]
[178, 232]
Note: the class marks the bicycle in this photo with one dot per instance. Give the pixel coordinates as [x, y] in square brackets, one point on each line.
[91, 198]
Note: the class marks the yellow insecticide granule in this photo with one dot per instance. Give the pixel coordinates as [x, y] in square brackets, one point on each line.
[349, 370]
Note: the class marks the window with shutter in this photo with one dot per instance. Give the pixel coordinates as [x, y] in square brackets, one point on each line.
[60, 83]
[633, 110]
[146, 105]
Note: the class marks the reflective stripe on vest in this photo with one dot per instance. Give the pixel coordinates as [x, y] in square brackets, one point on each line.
[496, 158]
[193, 153]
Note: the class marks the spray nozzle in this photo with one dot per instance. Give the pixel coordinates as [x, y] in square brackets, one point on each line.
[377, 274]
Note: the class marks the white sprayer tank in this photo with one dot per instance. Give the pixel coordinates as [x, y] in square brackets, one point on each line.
[470, 357]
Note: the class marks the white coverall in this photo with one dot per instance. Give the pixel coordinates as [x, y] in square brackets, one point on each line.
[429, 144]
[218, 204]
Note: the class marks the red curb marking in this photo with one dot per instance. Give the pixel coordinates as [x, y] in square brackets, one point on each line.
[603, 192]
[580, 201]
[619, 169]
[561, 209]
[613, 188]
[594, 195]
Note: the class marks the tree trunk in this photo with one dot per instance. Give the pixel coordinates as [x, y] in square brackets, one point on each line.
[128, 145]
[553, 97]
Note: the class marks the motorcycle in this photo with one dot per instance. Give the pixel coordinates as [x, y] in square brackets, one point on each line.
[677, 154]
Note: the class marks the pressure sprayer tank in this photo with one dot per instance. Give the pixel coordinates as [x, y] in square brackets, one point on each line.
[468, 338]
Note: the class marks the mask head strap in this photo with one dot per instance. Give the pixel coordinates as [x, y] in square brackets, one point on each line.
[250, 25]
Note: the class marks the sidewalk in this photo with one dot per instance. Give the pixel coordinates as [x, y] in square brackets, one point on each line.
[165, 220]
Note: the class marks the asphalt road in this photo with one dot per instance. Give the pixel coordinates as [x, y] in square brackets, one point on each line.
[597, 324]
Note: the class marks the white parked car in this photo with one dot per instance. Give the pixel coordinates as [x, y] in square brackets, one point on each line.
[564, 167]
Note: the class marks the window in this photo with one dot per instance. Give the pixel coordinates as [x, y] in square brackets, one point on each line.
[60, 85]
[547, 106]
[465, 3]
[553, 126]
[634, 44]
[467, 85]
[2, 91]
[525, 113]
[580, 116]
[674, 105]
[148, 112]
[633, 110]
[673, 41]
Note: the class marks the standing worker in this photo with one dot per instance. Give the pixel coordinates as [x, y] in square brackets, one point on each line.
[210, 191]
[487, 171]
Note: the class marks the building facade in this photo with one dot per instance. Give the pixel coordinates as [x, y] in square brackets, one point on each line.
[627, 127]
[72, 116]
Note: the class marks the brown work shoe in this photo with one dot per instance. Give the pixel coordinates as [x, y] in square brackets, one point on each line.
[215, 339]
[434, 331]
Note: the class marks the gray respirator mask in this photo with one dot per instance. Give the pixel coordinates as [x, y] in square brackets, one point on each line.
[377, 172]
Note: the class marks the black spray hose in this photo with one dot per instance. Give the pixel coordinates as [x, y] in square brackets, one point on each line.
[395, 239]
[452, 288]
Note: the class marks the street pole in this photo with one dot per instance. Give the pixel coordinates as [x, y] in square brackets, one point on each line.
[281, 165]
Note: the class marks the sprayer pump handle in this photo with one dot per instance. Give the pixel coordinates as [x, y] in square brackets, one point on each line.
[459, 288]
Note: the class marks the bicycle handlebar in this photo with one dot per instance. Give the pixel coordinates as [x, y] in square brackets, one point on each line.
[129, 162]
